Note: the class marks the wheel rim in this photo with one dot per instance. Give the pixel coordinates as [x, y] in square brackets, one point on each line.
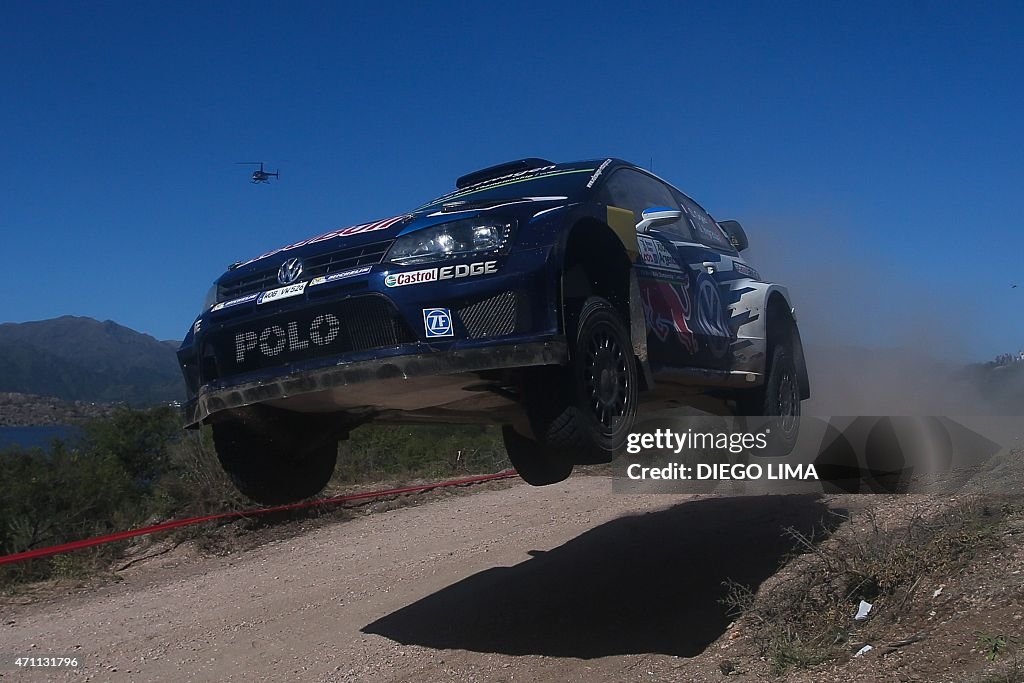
[606, 377]
[787, 403]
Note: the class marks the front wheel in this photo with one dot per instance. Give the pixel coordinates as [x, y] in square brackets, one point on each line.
[535, 464]
[586, 409]
[274, 457]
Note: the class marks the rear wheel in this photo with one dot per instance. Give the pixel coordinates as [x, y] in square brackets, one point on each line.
[774, 409]
[275, 457]
[585, 410]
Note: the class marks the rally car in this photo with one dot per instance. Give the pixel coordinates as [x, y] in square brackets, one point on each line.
[552, 299]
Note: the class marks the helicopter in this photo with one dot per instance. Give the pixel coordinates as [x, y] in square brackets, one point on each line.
[260, 176]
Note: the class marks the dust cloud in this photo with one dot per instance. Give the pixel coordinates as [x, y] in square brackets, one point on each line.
[878, 339]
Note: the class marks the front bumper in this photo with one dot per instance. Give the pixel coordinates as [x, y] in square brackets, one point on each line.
[211, 400]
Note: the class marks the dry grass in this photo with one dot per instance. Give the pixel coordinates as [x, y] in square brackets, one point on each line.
[806, 618]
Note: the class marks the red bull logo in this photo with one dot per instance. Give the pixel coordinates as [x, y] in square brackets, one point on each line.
[666, 310]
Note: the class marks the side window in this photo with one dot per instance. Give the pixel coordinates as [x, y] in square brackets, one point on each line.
[629, 189]
[704, 226]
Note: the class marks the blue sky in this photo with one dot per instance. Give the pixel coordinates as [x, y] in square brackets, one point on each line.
[873, 151]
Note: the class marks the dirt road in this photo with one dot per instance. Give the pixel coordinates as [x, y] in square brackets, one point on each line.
[567, 582]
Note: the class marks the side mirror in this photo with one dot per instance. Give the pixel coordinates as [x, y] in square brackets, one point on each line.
[657, 215]
[736, 234]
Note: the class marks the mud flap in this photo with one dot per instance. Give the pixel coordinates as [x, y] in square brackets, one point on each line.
[638, 331]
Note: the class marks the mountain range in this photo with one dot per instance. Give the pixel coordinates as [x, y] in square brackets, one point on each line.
[82, 359]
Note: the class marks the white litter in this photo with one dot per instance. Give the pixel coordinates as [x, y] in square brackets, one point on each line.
[864, 650]
[938, 590]
[863, 610]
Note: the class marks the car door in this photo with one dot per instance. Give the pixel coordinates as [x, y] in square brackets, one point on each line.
[683, 329]
[709, 256]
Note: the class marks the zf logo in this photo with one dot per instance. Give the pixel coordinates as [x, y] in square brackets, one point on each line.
[437, 322]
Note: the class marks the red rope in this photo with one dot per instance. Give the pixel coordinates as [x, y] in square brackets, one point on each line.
[166, 526]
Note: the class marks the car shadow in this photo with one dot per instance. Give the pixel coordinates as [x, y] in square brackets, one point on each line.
[648, 583]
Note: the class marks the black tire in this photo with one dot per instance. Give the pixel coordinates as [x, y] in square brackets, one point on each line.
[536, 465]
[586, 409]
[276, 457]
[775, 407]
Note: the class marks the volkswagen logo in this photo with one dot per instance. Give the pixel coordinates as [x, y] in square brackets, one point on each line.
[290, 271]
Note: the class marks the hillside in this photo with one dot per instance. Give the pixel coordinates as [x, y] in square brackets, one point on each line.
[81, 359]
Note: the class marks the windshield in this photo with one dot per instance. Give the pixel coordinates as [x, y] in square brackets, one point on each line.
[552, 181]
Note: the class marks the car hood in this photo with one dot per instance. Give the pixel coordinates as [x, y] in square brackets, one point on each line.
[388, 229]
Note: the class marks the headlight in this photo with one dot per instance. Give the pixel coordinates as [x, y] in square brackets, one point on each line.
[211, 298]
[452, 240]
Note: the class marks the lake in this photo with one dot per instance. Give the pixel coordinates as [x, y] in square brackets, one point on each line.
[35, 437]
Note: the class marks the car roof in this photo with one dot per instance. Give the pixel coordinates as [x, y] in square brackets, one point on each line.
[500, 174]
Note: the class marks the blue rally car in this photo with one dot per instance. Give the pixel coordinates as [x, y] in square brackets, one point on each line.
[552, 299]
